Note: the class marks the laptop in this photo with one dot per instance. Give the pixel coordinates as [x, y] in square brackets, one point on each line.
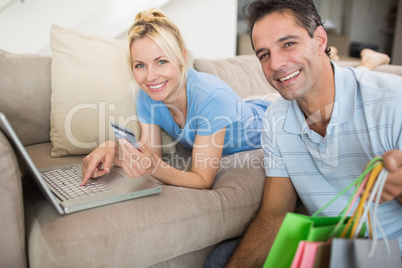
[110, 188]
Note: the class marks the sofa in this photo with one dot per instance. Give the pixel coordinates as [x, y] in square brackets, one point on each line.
[175, 228]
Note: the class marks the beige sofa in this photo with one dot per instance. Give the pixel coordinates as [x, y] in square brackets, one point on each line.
[176, 228]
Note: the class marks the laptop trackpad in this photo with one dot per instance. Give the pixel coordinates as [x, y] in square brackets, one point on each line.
[120, 182]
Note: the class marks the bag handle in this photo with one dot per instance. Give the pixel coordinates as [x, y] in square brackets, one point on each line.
[358, 214]
[370, 166]
[376, 194]
[359, 183]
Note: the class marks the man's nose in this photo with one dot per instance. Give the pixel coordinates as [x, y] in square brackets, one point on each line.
[277, 61]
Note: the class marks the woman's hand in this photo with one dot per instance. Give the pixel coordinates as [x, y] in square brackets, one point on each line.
[137, 161]
[98, 162]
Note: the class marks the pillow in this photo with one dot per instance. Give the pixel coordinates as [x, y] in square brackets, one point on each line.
[92, 84]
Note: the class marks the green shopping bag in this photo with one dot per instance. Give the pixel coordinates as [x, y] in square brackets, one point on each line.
[296, 227]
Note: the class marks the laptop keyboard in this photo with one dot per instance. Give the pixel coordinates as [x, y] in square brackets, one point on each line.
[67, 181]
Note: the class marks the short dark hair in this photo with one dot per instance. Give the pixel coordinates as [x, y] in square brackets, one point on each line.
[304, 11]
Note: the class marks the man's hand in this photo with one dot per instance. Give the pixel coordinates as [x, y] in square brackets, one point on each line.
[393, 185]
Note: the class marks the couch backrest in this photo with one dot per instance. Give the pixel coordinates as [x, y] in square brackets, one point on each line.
[25, 95]
[242, 73]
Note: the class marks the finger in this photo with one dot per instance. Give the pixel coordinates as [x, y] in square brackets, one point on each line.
[90, 171]
[108, 163]
[386, 197]
[393, 160]
[129, 146]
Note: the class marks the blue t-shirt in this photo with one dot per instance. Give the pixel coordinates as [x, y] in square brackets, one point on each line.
[211, 106]
[365, 122]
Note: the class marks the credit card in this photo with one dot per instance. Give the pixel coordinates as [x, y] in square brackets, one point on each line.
[124, 133]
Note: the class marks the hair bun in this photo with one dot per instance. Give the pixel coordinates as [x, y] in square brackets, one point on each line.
[149, 15]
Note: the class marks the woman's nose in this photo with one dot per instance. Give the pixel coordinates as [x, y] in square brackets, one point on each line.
[152, 74]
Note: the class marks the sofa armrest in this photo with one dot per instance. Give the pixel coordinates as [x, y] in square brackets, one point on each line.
[12, 231]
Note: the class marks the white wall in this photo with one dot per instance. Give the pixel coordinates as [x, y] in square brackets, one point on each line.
[397, 48]
[369, 22]
[25, 27]
[208, 26]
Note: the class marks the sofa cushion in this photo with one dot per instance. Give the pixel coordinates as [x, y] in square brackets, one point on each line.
[91, 85]
[25, 95]
[153, 229]
[12, 231]
[242, 73]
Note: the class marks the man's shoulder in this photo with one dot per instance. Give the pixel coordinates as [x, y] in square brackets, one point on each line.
[379, 81]
[279, 106]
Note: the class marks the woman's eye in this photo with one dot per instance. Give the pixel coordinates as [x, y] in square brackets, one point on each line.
[162, 62]
[139, 65]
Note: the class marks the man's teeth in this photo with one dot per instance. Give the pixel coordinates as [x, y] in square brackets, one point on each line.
[289, 76]
[158, 86]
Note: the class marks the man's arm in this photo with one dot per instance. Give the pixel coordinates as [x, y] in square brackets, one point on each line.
[279, 198]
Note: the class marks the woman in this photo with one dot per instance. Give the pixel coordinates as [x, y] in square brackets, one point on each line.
[199, 110]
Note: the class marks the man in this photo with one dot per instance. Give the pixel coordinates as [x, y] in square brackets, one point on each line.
[329, 124]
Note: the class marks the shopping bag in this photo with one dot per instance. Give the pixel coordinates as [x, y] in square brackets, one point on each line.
[305, 254]
[354, 253]
[322, 256]
[371, 252]
[297, 227]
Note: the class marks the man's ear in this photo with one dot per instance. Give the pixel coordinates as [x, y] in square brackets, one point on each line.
[322, 38]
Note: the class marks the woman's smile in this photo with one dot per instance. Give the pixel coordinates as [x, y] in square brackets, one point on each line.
[157, 87]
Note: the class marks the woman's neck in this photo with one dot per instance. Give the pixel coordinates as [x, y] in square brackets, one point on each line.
[177, 105]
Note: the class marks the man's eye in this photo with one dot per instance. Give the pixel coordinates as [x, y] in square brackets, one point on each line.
[289, 44]
[263, 56]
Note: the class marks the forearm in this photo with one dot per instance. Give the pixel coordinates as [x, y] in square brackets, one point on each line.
[254, 247]
[279, 198]
[172, 176]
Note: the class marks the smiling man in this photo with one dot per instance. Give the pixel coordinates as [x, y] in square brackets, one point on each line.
[329, 123]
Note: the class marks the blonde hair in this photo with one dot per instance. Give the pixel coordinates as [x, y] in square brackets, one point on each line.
[154, 24]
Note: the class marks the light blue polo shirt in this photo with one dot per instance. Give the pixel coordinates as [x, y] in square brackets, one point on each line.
[211, 106]
[366, 122]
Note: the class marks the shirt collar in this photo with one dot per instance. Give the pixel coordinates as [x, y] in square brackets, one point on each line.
[344, 107]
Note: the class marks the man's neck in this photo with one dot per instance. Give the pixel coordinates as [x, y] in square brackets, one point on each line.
[318, 107]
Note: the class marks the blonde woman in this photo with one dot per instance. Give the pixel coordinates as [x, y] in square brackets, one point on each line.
[199, 110]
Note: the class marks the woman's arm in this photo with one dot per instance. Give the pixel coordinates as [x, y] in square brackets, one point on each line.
[206, 156]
